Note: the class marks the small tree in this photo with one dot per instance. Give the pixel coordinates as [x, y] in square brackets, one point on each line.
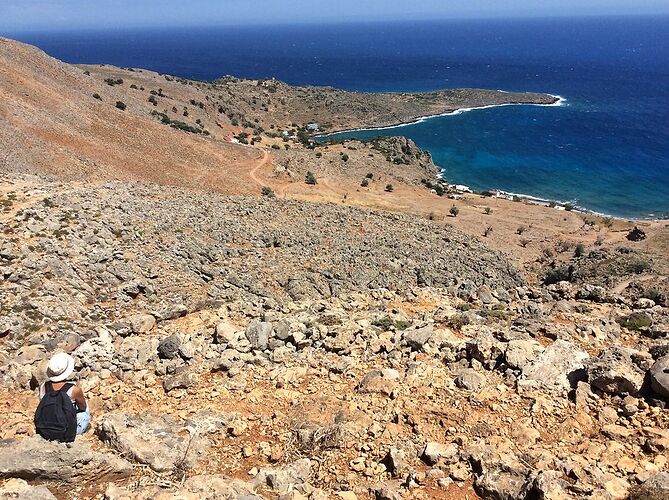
[121, 105]
[454, 211]
[310, 179]
[389, 188]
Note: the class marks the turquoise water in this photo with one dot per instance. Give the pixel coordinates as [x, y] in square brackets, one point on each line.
[606, 150]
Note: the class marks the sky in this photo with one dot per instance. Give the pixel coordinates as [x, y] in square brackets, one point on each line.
[39, 15]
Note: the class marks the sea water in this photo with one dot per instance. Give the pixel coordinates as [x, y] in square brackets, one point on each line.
[606, 149]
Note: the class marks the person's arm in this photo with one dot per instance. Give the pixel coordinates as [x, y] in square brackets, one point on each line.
[78, 397]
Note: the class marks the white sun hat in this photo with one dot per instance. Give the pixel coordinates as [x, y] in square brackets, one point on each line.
[60, 367]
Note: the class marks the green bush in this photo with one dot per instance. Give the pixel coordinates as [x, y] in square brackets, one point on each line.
[310, 179]
[635, 321]
[267, 191]
[580, 250]
[121, 105]
[389, 188]
[562, 273]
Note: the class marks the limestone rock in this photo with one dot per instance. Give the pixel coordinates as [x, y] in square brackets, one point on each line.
[659, 376]
[614, 371]
[158, 441]
[258, 334]
[433, 452]
[34, 458]
[416, 339]
[169, 346]
[557, 367]
[283, 478]
[20, 490]
[470, 380]
[379, 381]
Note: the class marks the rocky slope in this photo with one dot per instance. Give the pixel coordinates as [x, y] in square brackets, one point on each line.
[264, 348]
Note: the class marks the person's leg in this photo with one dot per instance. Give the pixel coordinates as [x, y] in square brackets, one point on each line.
[83, 420]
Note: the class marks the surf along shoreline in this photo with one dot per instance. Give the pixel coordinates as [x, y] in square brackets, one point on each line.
[463, 189]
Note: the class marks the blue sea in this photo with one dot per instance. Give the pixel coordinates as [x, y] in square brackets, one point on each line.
[606, 149]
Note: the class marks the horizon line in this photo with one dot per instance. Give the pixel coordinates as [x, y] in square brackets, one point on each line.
[323, 22]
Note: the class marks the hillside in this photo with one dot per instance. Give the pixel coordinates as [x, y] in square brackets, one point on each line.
[353, 337]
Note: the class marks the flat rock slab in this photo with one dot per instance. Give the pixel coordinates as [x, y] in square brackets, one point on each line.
[18, 489]
[195, 488]
[156, 440]
[34, 458]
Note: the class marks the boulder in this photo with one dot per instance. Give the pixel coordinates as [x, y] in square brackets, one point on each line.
[141, 323]
[433, 452]
[182, 379]
[379, 382]
[169, 346]
[258, 333]
[156, 440]
[521, 353]
[34, 458]
[558, 367]
[654, 488]
[284, 478]
[18, 489]
[416, 339]
[615, 371]
[659, 376]
[470, 379]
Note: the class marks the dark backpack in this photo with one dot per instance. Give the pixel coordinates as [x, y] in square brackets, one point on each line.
[56, 416]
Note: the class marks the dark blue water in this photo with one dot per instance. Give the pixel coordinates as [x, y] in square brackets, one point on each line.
[606, 150]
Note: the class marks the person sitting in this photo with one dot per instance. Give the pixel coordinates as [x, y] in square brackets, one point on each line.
[63, 412]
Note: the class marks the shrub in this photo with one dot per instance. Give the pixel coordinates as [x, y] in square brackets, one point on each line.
[152, 99]
[600, 240]
[121, 105]
[133, 86]
[569, 207]
[524, 242]
[654, 295]
[454, 211]
[389, 188]
[487, 211]
[638, 266]
[487, 231]
[562, 273]
[365, 183]
[97, 96]
[521, 230]
[276, 146]
[516, 198]
[344, 157]
[580, 250]
[310, 179]
[552, 204]
[370, 176]
[267, 191]
[111, 81]
[635, 321]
